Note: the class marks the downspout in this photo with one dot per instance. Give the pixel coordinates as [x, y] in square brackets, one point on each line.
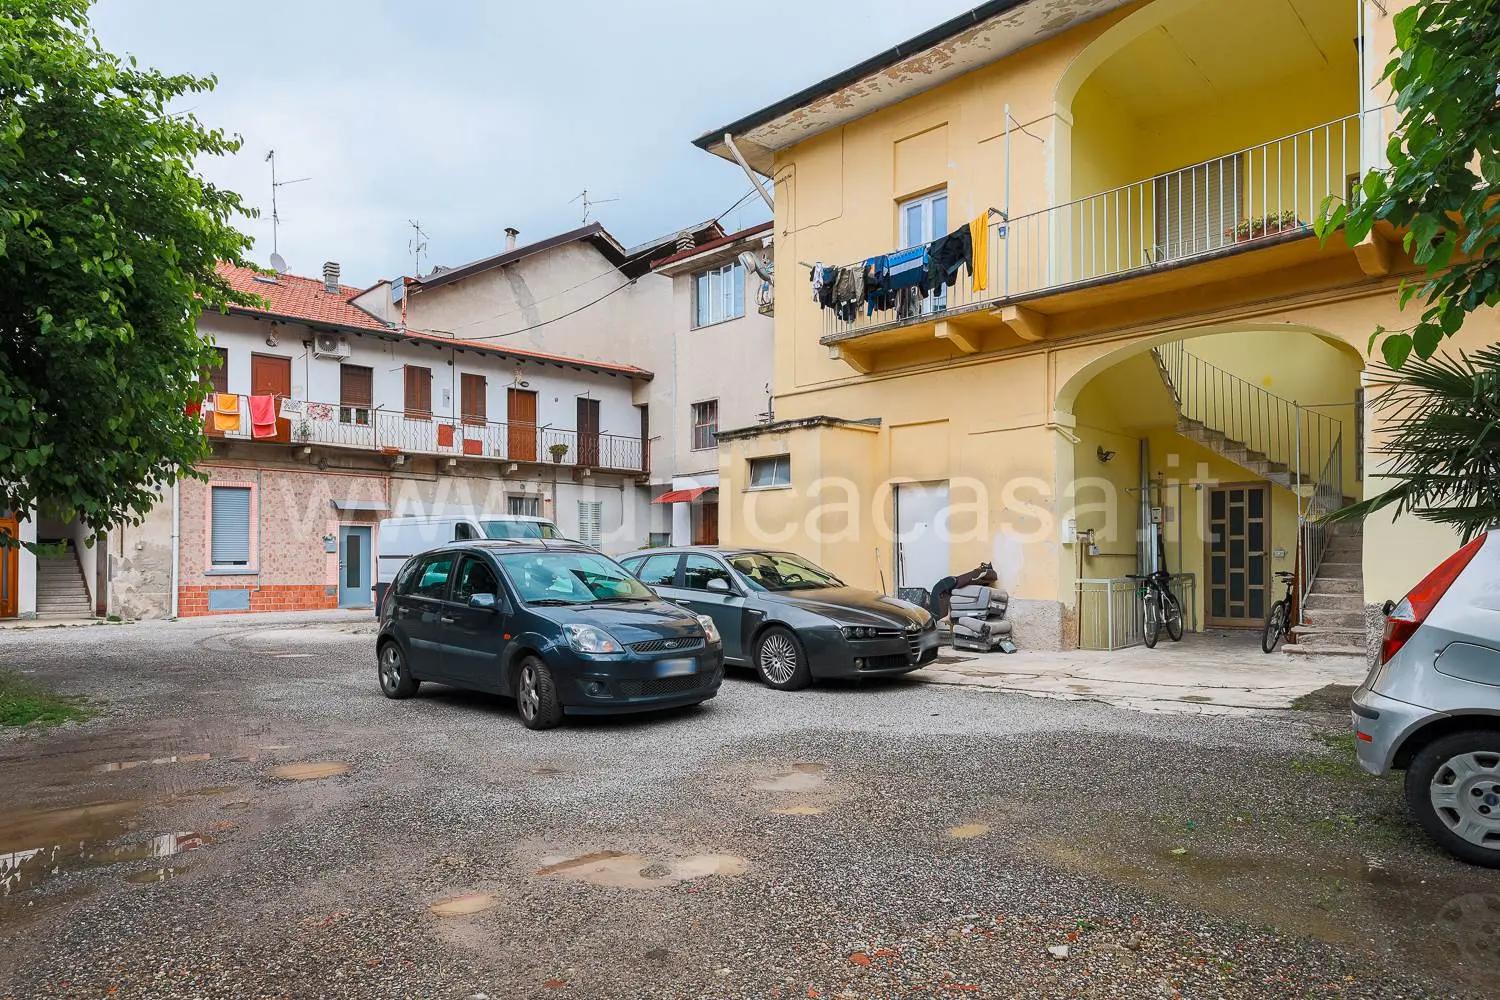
[176, 541]
[759, 189]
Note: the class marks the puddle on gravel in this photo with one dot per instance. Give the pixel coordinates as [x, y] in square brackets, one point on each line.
[81, 839]
[130, 765]
[797, 778]
[153, 876]
[621, 870]
[310, 771]
[800, 811]
[969, 831]
[462, 906]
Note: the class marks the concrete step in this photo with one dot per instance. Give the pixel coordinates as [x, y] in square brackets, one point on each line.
[1347, 620]
[1335, 602]
[1341, 571]
[1337, 585]
[1303, 649]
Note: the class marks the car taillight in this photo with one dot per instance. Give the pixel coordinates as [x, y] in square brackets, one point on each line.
[1406, 617]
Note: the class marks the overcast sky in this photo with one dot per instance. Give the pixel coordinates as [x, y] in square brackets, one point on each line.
[474, 115]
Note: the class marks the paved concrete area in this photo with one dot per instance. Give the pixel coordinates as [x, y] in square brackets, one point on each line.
[1218, 672]
[247, 817]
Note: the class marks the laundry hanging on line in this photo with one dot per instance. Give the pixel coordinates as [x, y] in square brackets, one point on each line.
[262, 416]
[226, 412]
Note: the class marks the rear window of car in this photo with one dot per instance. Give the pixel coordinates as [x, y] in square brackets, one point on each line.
[432, 578]
[655, 571]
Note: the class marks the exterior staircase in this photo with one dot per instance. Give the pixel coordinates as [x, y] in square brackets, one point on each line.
[1297, 449]
[1334, 608]
[61, 594]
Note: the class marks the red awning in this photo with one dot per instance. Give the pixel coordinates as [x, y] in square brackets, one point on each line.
[684, 496]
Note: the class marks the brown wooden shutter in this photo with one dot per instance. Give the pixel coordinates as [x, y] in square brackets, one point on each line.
[356, 385]
[418, 392]
[218, 374]
[475, 407]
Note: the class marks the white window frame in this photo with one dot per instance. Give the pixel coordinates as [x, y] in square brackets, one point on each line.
[711, 428]
[532, 505]
[249, 567]
[937, 298]
[725, 287]
[778, 464]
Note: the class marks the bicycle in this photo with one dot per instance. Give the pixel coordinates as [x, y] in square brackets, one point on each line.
[1278, 615]
[1159, 607]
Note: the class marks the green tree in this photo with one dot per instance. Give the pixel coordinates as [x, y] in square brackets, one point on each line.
[1442, 415]
[1443, 169]
[108, 246]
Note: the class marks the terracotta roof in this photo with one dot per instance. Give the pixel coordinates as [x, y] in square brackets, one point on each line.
[723, 241]
[305, 300]
[298, 298]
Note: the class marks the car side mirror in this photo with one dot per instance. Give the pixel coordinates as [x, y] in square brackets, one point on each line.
[483, 602]
[1387, 608]
[717, 583]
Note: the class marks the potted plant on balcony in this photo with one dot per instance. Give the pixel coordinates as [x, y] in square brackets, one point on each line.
[1265, 225]
[558, 451]
[303, 432]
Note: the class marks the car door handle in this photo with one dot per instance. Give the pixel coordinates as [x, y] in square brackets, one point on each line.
[447, 619]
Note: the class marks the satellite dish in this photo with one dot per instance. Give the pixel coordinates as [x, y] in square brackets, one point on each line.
[278, 263]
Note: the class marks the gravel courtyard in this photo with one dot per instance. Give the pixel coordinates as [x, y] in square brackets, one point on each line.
[246, 816]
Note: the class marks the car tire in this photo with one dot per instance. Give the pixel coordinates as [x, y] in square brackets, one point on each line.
[395, 676]
[536, 695]
[1453, 791]
[781, 661]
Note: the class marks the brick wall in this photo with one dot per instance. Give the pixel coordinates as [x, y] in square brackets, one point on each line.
[290, 568]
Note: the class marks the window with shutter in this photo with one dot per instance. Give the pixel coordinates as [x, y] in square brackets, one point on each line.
[705, 424]
[218, 374]
[590, 516]
[418, 392]
[1197, 209]
[473, 390]
[524, 506]
[229, 526]
[356, 390]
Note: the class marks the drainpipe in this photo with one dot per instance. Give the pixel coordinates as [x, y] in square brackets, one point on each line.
[176, 541]
[729, 141]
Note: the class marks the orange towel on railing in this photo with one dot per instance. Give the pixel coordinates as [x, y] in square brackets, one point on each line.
[226, 412]
[263, 416]
[979, 236]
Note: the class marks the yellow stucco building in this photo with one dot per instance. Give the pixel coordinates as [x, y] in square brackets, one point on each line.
[1151, 358]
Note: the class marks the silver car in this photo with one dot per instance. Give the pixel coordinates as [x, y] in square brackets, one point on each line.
[1431, 704]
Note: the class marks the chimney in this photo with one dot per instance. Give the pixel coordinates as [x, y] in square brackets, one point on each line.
[331, 277]
[510, 238]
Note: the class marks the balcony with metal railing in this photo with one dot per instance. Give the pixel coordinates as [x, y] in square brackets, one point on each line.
[1242, 202]
[398, 432]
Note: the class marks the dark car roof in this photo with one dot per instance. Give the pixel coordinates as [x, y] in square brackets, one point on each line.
[499, 545]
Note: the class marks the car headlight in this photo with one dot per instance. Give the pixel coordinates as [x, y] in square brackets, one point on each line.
[590, 639]
[709, 629]
[857, 632]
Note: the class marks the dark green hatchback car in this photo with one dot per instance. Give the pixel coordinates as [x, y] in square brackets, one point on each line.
[559, 626]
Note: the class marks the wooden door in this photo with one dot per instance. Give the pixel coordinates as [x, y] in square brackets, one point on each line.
[588, 432]
[1239, 534]
[270, 376]
[10, 568]
[706, 523]
[520, 409]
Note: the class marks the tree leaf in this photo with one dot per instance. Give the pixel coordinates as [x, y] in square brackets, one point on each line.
[1396, 349]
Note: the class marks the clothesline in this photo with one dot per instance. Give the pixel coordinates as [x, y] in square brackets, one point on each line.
[1004, 217]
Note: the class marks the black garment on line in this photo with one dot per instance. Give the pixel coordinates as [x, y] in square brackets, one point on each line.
[945, 255]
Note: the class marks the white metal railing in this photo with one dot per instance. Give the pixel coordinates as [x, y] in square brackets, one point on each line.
[1315, 532]
[1265, 192]
[1111, 616]
[400, 432]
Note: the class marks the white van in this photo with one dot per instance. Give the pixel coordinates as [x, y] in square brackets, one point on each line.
[400, 538]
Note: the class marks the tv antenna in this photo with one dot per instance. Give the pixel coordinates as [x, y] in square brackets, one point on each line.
[417, 245]
[275, 216]
[589, 203]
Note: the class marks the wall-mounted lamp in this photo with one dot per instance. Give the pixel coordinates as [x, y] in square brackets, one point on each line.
[1103, 455]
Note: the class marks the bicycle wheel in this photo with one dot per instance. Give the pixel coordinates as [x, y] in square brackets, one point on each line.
[1151, 630]
[1275, 627]
[1172, 615]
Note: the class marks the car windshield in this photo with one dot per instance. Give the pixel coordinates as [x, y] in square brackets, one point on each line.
[520, 529]
[778, 571]
[560, 578]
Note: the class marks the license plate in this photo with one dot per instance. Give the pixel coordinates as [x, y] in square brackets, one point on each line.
[676, 668]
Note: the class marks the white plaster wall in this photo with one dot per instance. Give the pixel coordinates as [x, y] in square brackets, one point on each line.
[88, 557]
[26, 573]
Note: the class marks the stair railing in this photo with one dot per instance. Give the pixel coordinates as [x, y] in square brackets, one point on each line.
[1270, 427]
[1314, 530]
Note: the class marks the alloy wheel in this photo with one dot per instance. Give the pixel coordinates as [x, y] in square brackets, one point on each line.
[390, 668]
[528, 698]
[1465, 794]
[778, 658]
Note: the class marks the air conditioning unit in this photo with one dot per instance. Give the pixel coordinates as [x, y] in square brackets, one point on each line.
[330, 345]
